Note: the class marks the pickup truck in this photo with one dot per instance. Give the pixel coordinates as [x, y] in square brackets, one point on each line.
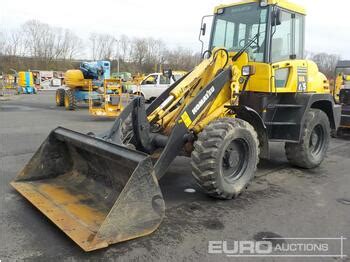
[155, 84]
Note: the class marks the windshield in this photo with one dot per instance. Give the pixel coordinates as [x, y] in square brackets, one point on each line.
[344, 71]
[234, 28]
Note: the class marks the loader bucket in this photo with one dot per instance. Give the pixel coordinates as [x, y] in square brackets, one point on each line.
[97, 192]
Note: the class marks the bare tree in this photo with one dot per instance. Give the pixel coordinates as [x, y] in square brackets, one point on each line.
[2, 43]
[325, 62]
[182, 59]
[102, 46]
[124, 48]
[139, 51]
[68, 45]
[40, 40]
[13, 44]
[39, 45]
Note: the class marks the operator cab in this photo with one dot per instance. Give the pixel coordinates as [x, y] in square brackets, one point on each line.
[268, 30]
[341, 91]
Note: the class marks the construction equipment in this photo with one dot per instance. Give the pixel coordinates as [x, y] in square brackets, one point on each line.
[252, 88]
[8, 86]
[113, 99]
[78, 82]
[129, 81]
[341, 93]
[25, 83]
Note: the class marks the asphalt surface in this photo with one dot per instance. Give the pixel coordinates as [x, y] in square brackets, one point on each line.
[282, 201]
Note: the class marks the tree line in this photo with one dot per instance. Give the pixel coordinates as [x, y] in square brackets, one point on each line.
[37, 45]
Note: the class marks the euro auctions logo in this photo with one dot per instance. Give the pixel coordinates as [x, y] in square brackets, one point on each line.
[280, 247]
[240, 247]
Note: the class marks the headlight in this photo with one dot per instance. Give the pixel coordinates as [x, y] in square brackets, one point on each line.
[248, 70]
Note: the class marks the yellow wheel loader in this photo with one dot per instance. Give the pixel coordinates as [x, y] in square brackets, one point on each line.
[252, 87]
[341, 93]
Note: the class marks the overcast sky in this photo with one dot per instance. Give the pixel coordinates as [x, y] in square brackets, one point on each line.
[175, 22]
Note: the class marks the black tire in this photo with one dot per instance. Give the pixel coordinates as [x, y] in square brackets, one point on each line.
[69, 99]
[315, 138]
[60, 97]
[138, 94]
[225, 157]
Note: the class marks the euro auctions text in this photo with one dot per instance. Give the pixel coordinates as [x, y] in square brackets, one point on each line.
[279, 247]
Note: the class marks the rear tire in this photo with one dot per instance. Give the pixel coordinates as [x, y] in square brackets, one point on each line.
[315, 137]
[69, 99]
[225, 157]
[60, 97]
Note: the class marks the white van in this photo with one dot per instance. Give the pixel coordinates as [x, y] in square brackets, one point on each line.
[155, 84]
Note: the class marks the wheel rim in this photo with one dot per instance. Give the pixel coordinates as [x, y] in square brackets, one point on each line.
[66, 101]
[235, 160]
[57, 98]
[316, 140]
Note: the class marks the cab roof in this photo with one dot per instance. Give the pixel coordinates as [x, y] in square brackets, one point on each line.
[281, 3]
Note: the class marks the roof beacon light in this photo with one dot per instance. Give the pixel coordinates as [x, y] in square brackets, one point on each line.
[263, 3]
[220, 11]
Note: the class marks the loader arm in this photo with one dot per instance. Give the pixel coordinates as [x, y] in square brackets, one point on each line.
[185, 91]
[190, 113]
[148, 142]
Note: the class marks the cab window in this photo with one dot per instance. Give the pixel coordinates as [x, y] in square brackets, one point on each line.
[236, 26]
[163, 80]
[150, 80]
[288, 38]
[299, 36]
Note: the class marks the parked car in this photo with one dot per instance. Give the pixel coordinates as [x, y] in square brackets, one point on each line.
[155, 84]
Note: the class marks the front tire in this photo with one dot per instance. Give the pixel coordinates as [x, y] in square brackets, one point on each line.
[225, 157]
[315, 138]
[69, 99]
[60, 97]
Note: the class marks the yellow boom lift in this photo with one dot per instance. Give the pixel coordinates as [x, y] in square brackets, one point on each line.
[252, 87]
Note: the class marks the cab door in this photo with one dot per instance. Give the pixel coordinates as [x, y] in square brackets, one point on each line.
[164, 82]
[289, 70]
[149, 85]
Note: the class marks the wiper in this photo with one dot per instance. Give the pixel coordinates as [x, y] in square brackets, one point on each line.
[240, 52]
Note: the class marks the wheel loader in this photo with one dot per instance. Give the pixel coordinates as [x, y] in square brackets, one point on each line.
[252, 87]
[341, 93]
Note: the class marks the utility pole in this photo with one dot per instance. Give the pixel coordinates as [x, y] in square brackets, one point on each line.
[118, 56]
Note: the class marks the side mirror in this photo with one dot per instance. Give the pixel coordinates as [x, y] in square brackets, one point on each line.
[203, 29]
[276, 17]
